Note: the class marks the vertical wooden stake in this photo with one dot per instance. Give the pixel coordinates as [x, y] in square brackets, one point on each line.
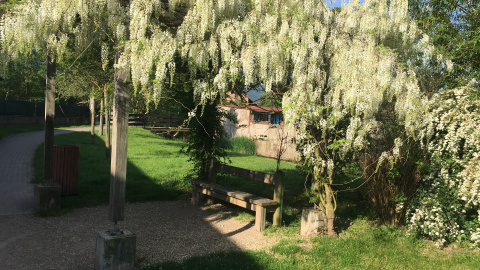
[107, 119]
[92, 120]
[49, 118]
[101, 114]
[278, 197]
[118, 169]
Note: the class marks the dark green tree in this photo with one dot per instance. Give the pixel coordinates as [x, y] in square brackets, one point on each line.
[454, 29]
[24, 77]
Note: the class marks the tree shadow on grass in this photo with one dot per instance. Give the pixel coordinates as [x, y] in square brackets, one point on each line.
[222, 260]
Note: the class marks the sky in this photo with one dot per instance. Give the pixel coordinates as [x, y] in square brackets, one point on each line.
[336, 3]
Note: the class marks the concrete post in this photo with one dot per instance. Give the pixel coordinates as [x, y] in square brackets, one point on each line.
[115, 251]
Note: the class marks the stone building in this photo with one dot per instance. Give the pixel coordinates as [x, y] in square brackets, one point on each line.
[265, 126]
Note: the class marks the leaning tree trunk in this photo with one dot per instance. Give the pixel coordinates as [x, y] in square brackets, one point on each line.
[118, 169]
[329, 209]
[326, 203]
[49, 119]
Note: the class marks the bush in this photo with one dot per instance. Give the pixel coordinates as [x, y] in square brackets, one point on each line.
[243, 145]
[447, 207]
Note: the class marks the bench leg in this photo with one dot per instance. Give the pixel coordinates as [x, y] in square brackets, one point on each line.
[195, 195]
[260, 215]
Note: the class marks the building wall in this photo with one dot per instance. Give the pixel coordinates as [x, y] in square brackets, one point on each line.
[267, 137]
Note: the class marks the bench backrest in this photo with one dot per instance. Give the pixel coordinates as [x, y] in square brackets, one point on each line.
[253, 175]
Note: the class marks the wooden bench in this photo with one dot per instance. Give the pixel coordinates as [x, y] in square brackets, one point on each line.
[243, 199]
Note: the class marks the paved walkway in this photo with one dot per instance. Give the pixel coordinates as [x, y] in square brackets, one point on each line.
[16, 170]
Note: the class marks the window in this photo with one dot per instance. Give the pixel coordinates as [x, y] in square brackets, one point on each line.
[274, 119]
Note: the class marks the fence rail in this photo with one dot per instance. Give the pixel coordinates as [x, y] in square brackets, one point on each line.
[157, 122]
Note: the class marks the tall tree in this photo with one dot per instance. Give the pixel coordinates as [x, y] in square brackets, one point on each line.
[454, 29]
[340, 69]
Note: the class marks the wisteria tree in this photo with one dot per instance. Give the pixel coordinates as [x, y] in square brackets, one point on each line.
[339, 69]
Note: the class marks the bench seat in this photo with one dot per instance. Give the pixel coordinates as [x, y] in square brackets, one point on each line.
[240, 198]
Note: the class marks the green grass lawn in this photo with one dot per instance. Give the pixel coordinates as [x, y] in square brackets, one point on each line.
[364, 245]
[158, 171]
[4, 132]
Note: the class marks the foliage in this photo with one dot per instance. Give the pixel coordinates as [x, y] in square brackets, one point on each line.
[206, 137]
[243, 145]
[24, 77]
[80, 76]
[447, 207]
[271, 100]
[391, 180]
[454, 30]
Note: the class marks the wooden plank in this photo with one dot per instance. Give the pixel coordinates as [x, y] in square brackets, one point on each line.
[228, 199]
[244, 196]
[254, 175]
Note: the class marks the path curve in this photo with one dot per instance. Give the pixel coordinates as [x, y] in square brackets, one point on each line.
[16, 170]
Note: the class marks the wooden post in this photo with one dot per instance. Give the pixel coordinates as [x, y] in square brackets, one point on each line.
[260, 214]
[101, 114]
[107, 119]
[212, 173]
[195, 195]
[278, 179]
[49, 118]
[92, 120]
[118, 169]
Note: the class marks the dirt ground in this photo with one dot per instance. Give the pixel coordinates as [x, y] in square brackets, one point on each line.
[168, 230]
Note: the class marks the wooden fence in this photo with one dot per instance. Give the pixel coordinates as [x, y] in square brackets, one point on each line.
[159, 123]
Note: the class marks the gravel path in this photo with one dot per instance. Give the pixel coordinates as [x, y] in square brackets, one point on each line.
[168, 230]
[16, 170]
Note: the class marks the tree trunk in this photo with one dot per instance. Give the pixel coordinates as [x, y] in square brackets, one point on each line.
[49, 119]
[118, 171]
[92, 120]
[107, 120]
[101, 114]
[329, 209]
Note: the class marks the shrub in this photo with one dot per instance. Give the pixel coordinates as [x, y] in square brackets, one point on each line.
[447, 207]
